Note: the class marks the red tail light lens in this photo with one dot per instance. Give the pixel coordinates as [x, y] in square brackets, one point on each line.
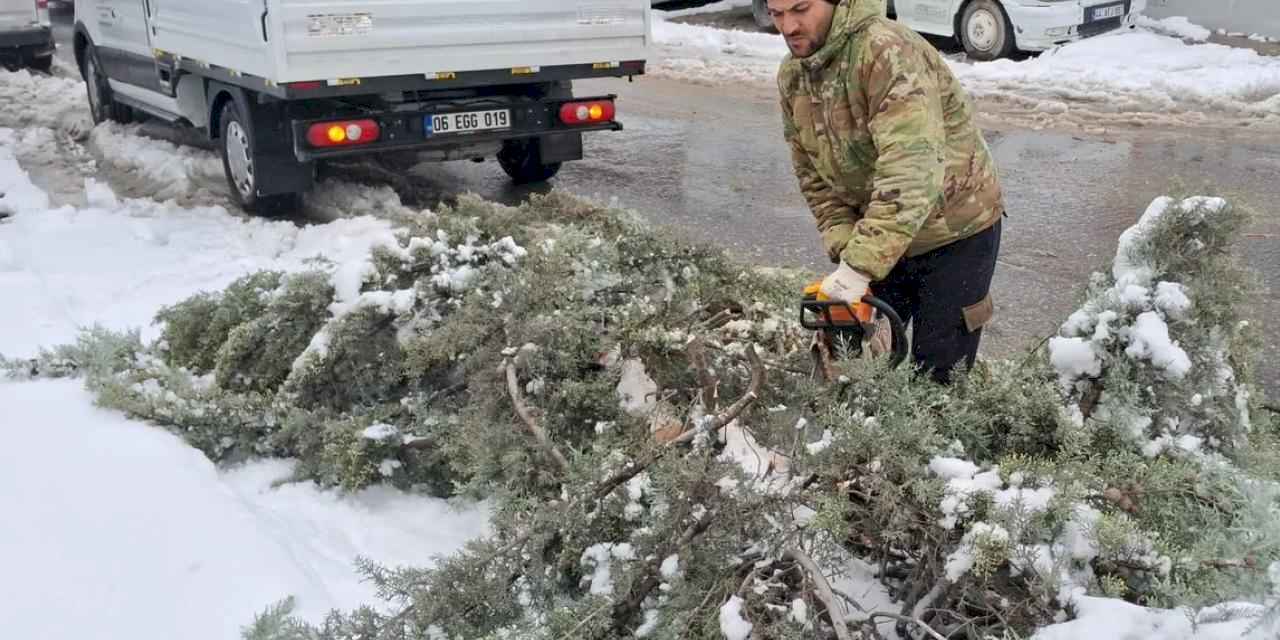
[343, 133]
[594, 112]
[42, 4]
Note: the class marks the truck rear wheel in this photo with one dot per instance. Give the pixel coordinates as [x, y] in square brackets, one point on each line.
[522, 160]
[102, 104]
[237, 150]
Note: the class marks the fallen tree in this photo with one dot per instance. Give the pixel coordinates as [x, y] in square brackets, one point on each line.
[663, 463]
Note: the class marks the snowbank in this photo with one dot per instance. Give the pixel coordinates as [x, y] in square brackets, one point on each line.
[1138, 70]
[115, 529]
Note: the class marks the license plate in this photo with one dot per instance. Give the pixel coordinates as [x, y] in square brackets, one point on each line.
[442, 123]
[1107, 12]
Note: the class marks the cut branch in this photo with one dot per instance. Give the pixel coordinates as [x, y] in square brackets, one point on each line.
[531, 425]
[909, 620]
[714, 424]
[697, 351]
[822, 589]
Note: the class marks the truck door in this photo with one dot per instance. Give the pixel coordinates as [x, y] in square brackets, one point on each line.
[123, 42]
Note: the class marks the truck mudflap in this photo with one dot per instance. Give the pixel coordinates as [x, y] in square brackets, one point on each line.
[455, 124]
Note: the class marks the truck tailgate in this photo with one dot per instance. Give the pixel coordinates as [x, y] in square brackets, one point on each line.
[17, 14]
[330, 39]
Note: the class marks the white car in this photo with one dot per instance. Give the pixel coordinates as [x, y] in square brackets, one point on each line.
[25, 35]
[991, 29]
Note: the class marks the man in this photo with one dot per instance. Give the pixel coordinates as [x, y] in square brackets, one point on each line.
[898, 177]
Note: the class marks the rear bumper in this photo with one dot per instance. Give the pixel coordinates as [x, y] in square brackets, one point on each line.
[405, 130]
[1040, 25]
[36, 39]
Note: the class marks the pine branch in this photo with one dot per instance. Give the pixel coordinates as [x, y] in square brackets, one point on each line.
[758, 378]
[822, 589]
[909, 620]
[531, 425]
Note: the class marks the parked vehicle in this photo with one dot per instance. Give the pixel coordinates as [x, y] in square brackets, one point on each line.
[280, 85]
[990, 29]
[26, 38]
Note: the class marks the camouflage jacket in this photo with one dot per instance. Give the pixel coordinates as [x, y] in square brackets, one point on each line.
[884, 144]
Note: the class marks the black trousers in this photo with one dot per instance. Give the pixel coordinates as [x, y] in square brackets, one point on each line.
[945, 295]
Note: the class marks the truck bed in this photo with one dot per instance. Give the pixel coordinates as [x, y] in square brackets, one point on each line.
[285, 41]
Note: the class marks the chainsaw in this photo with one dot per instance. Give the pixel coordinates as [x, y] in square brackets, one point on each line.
[842, 328]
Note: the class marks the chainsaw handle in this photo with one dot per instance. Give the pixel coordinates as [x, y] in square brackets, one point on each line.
[822, 310]
[896, 327]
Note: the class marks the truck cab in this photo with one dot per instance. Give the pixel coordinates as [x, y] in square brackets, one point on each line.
[25, 35]
[279, 85]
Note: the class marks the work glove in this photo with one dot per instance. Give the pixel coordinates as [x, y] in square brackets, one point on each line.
[846, 285]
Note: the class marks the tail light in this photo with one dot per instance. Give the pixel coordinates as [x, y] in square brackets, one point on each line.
[594, 112]
[42, 5]
[343, 133]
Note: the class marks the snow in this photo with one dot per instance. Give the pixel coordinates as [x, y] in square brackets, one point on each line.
[600, 557]
[1133, 71]
[1171, 298]
[115, 266]
[650, 624]
[637, 392]
[670, 568]
[732, 625]
[963, 558]
[1149, 340]
[1073, 358]
[1177, 26]
[799, 611]
[380, 432]
[713, 7]
[952, 468]
[17, 193]
[127, 532]
[1114, 619]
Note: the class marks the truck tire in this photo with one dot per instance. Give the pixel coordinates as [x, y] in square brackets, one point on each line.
[237, 150]
[522, 160]
[985, 31]
[102, 106]
[760, 11]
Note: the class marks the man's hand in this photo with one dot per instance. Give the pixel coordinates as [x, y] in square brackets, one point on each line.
[846, 285]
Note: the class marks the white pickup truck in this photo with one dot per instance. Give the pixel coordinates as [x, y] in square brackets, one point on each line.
[990, 29]
[279, 85]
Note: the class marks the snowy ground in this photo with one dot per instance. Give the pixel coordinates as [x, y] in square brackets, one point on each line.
[114, 529]
[1158, 71]
[117, 529]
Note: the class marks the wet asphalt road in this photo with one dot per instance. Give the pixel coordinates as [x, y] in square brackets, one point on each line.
[709, 162]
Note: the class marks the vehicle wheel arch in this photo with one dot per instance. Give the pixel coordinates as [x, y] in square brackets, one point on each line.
[80, 43]
[219, 94]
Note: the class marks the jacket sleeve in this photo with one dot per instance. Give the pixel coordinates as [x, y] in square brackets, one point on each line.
[907, 128]
[835, 218]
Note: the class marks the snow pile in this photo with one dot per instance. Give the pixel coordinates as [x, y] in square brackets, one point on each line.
[701, 54]
[116, 263]
[1114, 619]
[36, 100]
[1138, 71]
[732, 624]
[132, 533]
[1177, 26]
